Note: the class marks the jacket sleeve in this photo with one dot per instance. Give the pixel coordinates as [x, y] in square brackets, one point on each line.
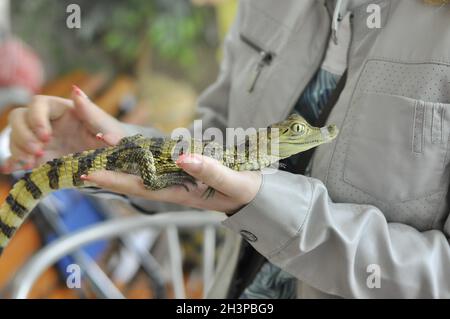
[348, 250]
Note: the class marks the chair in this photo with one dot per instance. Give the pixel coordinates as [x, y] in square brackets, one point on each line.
[27, 275]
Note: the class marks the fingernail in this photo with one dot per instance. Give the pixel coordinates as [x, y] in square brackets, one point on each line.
[79, 92]
[4, 169]
[42, 133]
[189, 159]
[40, 153]
[100, 136]
[33, 148]
[46, 137]
[84, 177]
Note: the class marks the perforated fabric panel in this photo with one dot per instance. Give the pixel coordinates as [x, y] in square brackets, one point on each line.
[427, 82]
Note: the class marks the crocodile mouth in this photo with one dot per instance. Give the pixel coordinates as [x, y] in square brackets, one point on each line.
[290, 145]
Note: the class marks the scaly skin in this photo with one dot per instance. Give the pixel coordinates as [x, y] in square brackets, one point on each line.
[153, 159]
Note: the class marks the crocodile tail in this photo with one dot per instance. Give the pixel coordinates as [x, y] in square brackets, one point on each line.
[20, 201]
[28, 191]
[61, 173]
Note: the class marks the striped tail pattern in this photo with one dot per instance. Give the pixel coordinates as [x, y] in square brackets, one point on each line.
[61, 173]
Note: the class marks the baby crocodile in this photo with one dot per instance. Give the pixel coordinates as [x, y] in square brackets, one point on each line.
[153, 159]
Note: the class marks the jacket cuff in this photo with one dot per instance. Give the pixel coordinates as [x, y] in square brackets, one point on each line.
[276, 214]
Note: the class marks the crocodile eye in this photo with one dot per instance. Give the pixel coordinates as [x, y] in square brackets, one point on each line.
[298, 128]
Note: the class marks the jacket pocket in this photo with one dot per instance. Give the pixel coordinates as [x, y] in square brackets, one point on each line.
[259, 41]
[398, 147]
[265, 60]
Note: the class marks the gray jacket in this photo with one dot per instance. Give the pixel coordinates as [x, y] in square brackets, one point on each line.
[372, 221]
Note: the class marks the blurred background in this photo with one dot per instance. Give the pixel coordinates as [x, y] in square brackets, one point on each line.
[143, 61]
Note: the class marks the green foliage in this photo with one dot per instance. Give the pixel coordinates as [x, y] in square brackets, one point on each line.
[116, 33]
[172, 30]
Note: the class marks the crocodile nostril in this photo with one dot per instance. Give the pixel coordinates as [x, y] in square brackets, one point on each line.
[332, 129]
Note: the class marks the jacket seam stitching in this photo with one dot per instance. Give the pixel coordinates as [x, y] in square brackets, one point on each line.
[444, 193]
[346, 115]
[383, 58]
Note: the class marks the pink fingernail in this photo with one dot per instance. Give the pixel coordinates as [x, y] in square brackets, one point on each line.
[79, 92]
[84, 177]
[188, 159]
[100, 136]
[40, 153]
[42, 133]
[7, 167]
[46, 137]
[180, 158]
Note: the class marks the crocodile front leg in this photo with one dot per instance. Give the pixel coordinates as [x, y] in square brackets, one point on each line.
[153, 181]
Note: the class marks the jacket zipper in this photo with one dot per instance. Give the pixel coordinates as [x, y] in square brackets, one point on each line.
[266, 58]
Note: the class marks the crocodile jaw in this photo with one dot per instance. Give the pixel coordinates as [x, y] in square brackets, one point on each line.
[293, 145]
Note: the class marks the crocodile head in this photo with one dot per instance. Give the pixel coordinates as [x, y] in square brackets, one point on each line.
[296, 135]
